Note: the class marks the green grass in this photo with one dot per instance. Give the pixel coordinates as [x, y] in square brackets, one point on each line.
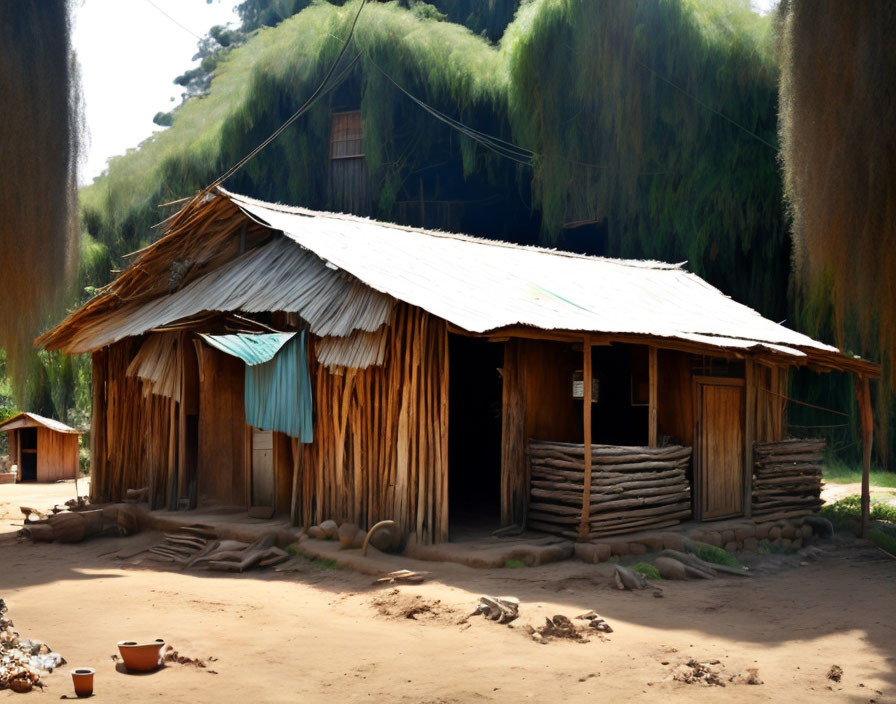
[324, 564]
[514, 563]
[836, 472]
[846, 514]
[718, 556]
[647, 570]
[883, 539]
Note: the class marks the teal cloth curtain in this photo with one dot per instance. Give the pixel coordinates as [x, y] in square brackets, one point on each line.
[278, 392]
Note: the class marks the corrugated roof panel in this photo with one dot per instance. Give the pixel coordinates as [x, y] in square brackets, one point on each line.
[483, 285]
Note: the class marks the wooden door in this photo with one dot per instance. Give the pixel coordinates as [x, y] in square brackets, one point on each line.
[262, 468]
[719, 473]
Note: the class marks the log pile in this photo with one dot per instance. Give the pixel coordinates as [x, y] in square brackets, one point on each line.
[787, 478]
[632, 488]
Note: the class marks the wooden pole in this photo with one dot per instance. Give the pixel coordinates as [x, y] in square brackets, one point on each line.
[749, 432]
[652, 398]
[863, 396]
[585, 524]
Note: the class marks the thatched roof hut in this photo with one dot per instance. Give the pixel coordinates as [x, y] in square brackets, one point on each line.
[419, 366]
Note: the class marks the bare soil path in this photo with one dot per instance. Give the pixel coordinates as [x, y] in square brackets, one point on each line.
[322, 635]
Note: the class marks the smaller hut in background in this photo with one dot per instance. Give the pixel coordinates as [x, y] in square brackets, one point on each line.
[43, 449]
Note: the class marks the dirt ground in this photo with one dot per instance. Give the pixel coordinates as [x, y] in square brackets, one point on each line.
[320, 634]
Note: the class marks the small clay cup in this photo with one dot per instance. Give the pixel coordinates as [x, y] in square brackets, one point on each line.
[82, 678]
[141, 657]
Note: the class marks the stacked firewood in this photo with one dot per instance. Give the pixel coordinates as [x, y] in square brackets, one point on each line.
[632, 488]
[787, 477]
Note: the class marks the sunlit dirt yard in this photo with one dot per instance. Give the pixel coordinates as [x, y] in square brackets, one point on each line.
[322, 634]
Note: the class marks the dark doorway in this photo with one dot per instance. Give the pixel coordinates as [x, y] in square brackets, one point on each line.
[474, 434]
[28, 454]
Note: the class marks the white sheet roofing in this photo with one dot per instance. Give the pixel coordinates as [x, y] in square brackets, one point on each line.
[483, 285]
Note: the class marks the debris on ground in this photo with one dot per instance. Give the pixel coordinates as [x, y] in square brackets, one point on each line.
[402, 577]
[835, 674]
[595, 621]
[21, 660]
[196, 545]
[170, 655]
[711, 674]
[394, 604]
[561, 627]
[76, 521]
[705, 673]
[502, 609]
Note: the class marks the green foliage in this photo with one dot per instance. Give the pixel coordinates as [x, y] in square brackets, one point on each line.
[648, 570]
[837, 472]
[885, 540]
[621, 102]
[324, 564]
[767, 546]
[718, 556]
[846, 514]
[514, 563]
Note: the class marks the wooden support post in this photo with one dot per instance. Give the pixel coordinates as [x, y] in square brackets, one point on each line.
[585, 525]
[749, 432]
[863, 396]
[652, 440]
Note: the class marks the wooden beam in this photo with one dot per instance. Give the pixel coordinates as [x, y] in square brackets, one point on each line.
[652, 397]
[585, 524]
[749, 432]
[863, 396]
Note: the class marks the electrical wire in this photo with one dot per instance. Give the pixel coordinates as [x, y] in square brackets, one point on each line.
[322, 89]
[183, 27]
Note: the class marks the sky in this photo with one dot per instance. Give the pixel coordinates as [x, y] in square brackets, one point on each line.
[130, 52]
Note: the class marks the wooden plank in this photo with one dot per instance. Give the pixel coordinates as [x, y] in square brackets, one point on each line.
[719, 471]
[586, 427]
[653, 396]
[749, 432]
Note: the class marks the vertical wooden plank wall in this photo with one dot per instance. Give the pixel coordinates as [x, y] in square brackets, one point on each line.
[381, 435]
[222, 472]
[14, 453]
[514, 467]
[537, 404]
[57, 455]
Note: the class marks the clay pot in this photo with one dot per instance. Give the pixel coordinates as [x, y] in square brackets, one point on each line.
[141, 657]
[83, 681]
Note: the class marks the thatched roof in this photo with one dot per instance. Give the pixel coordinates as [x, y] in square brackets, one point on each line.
[342, 274]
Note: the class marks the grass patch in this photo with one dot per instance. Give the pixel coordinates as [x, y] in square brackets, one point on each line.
[647, 570]
[322, 563]
[846, 514]
[718, 556]
[883, 539]
[514, 563]
[836, 472]
[767, 546]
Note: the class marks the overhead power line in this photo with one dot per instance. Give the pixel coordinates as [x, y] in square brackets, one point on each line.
[322, 89]
[183, 27]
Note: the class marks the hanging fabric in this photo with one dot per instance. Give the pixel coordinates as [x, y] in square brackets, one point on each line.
[277, 392]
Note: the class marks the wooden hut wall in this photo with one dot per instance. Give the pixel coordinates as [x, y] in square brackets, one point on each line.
[133, 438]
[57, 455]
[380, 447]
[537, 403]
[222, 472]
[283, 468]
[675, 396]
[14, 452]
[771, 404]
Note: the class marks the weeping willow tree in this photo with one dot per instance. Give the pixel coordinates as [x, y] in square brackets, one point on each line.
[38, 148]
[657, 120]
[838, 149]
